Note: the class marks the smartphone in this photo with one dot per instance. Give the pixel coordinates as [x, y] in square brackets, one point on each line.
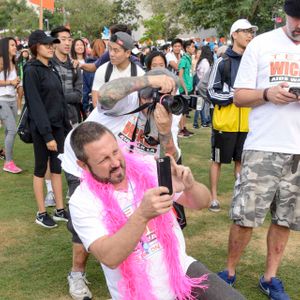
[164, 173]
[295, 91]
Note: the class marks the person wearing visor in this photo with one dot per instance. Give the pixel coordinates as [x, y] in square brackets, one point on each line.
[49, 122]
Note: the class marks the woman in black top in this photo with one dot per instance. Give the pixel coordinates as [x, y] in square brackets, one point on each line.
[48, 122]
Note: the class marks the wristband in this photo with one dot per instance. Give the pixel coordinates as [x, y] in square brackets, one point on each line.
[265, 95]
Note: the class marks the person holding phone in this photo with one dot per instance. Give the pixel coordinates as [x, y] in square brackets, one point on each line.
[270, 175]
[127, 223]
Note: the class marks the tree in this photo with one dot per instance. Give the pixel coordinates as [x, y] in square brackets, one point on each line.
[220, 14]
[87, 18]
[126, 12]
[166, 22]
[17, 18]
[158, 28]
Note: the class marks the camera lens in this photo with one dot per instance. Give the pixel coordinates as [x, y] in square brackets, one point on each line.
[175, 105]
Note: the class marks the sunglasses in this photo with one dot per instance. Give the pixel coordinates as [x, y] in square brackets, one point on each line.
[150, 140]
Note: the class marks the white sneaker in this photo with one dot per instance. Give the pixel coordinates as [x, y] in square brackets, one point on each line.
[50, 199]
[78, 288]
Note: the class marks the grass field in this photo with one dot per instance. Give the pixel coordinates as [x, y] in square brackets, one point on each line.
[34, 261]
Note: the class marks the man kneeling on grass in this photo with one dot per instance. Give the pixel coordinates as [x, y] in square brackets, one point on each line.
[125, 220]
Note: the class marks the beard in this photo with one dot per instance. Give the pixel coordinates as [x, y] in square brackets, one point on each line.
[111, 178]
[295, 35]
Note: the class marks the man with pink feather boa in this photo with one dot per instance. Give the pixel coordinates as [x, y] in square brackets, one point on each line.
[125, 220]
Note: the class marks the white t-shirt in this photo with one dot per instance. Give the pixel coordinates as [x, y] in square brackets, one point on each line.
[87, 218]
[99, 78]
[270, 59]
[122, 127]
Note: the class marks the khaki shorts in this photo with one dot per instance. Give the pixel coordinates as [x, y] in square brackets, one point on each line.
[267, 184]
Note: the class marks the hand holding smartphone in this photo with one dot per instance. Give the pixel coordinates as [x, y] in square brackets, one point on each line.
[295, 91]
[164, 173]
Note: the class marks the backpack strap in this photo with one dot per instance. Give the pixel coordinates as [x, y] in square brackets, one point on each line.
[108, 72]
[133, 69]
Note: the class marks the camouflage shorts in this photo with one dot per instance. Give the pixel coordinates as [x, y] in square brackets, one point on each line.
[267, 183]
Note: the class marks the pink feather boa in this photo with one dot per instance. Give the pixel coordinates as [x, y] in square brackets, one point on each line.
[135, 284]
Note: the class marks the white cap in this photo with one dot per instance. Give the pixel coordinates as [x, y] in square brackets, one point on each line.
[242, 24]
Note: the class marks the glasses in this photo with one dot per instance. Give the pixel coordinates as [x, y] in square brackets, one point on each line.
[150, 140]
[247, 31]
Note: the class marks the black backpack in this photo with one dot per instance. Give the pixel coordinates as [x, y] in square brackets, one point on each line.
[109, 70]
[23, 128]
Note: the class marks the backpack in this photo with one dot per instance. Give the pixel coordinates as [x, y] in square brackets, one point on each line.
[23, 128]
[225, 78]
[109, 70]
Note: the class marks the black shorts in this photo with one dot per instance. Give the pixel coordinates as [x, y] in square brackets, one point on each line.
[227, 146]
[75, 237]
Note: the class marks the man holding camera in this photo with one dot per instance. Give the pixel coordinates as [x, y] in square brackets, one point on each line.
[270, 174]
[127, 223]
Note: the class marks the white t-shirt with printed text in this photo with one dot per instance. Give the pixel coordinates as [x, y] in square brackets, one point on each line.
[270, 59]
[86, 211]
[123, 128]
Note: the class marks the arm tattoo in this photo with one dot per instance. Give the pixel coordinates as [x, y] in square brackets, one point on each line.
[115, 90]
[167, 145]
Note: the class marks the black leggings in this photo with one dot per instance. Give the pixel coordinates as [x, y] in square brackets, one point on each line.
[42, 154]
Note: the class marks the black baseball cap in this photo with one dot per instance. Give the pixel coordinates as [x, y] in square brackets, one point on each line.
[292, 8]
[40, 37]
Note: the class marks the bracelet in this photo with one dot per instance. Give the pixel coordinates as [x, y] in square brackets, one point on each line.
[265, 95]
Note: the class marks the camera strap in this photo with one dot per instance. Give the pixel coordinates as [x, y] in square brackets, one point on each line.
[140, 108]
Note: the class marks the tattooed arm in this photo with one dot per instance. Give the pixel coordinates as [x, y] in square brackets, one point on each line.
[115, 90]
[163, 122]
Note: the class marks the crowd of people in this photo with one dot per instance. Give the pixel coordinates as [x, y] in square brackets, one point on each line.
[103, 113]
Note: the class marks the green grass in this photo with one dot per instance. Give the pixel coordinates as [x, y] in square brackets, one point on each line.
[35, 261]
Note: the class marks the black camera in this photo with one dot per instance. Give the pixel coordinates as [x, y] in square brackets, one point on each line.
[173, 104]
[295, 91]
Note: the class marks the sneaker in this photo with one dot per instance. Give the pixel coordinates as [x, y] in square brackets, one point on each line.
[45, 220]
[274, 289]
[187, 131]
[196, 126]
[11, 168]
[19, 112]
[2, 154]
[50, 199]
[78, 288]
[61, 215]
[183, 134]
[215, 206]
[228, 279]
